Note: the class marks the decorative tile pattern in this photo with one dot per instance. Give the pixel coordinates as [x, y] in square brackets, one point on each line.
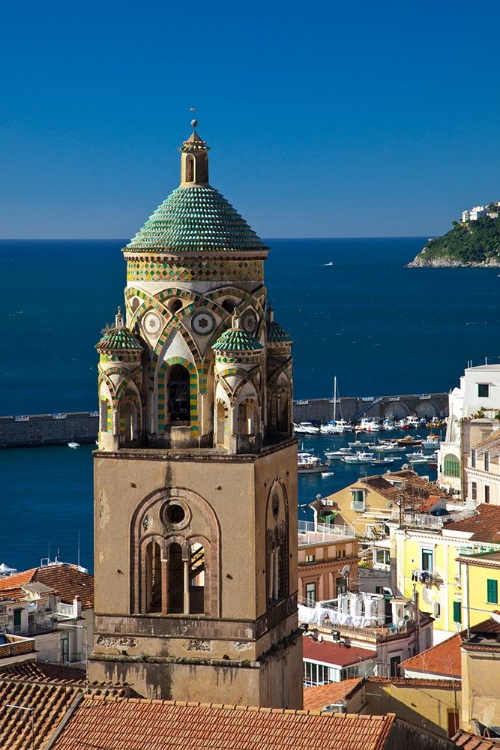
[236, 340]
[202, 270]
[196, 219]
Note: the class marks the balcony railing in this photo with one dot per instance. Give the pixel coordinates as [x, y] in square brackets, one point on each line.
[311, 533]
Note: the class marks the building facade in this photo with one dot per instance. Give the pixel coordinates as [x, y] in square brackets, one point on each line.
[196, 472]
[473, 411]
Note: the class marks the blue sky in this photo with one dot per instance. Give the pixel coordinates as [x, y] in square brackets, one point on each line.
[333, 119]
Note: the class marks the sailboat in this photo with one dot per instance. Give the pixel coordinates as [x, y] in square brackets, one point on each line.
[335, 425]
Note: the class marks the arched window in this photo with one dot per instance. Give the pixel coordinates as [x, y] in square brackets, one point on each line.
[196, 579]
[178, 394]
[451, 466]
[175, 579]
[283, 412]
[104, 422]
[222, 423]
[246, 417]
[153, 577]
[189, 169]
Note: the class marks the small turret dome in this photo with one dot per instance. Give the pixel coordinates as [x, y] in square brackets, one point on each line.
[118, 337]
[236, 340]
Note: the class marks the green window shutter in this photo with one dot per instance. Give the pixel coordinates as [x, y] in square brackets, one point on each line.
[492, 591]
[457, 612]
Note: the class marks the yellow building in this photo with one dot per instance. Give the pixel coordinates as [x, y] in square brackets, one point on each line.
[480, 583]
[370, 502]
[429, 561]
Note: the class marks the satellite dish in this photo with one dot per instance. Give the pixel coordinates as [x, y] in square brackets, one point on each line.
[345, 570]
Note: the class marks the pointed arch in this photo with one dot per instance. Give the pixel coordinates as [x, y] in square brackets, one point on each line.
[163, 386]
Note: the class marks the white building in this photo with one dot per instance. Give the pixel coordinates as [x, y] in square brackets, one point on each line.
[478, 212]
[474, 412]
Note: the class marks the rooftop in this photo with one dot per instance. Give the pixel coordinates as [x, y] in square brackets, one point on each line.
[317, 698]
[133, 723]
[484, 526]
[50, 692]
[335, 654]
[443, 659]
[68, 581]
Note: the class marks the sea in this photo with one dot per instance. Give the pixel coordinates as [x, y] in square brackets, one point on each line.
[352, 306]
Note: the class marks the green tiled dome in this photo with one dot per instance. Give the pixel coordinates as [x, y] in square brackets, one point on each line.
[118, 338]
[235, 340]
[277, 335]
[196, 219]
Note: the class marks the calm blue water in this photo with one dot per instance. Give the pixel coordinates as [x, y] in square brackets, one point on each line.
[380, 327]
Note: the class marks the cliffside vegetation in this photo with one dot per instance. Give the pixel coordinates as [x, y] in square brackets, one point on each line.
[471, 243]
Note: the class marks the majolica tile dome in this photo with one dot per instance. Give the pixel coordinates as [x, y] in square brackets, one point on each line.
[196, 218]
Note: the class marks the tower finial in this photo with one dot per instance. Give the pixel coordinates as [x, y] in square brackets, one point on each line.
[194, 121]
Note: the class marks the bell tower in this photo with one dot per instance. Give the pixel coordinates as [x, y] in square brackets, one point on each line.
[196, 470]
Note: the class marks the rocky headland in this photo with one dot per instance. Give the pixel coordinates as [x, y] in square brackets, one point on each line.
[467, 244]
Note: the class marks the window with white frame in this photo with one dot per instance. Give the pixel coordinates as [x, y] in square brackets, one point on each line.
[428, 560]
[358, 499]
[381, 557]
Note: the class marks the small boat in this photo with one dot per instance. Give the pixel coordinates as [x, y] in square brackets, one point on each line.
[307, 428]
[382, 461]
[338, 455]
[431, 442]
[329, 264]
[390, 447]
[360, 444]
[327, 473]
[72, 444]
[410, 442]
[369, 424]
[308, 464]
[359, 458]
[418, 458]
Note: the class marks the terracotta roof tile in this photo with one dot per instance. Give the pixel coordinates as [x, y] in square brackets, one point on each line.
[156, 725]
[484, 526]
[443, 659]
[316, 698]
[40, 688]
[67, 580]
[467, 741]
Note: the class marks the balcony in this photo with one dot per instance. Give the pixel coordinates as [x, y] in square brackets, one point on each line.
[428, 577]
[311, 533]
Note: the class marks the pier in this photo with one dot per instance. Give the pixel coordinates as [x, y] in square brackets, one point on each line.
[25, 431]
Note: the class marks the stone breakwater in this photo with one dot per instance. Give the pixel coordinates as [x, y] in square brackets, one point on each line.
[424, 405]
[23, 431]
